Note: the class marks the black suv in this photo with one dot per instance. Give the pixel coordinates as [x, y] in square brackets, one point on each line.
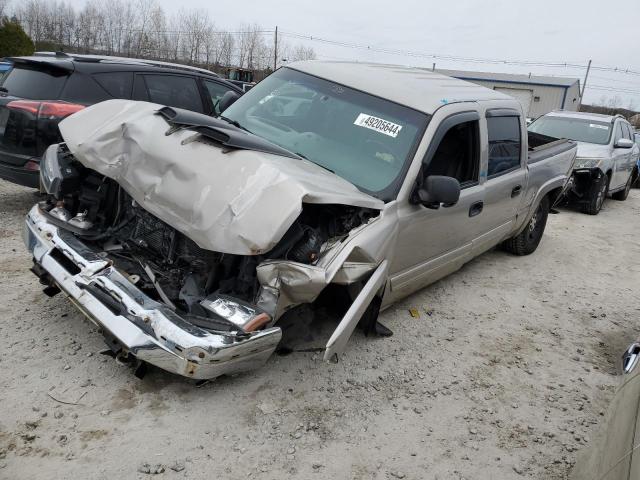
[41, 90]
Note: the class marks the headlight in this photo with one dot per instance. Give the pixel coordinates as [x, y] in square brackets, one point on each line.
[56, 170]
[50, 173]
[588, 162]
[236, 311]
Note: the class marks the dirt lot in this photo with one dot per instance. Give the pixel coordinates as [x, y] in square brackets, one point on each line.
[504, 375]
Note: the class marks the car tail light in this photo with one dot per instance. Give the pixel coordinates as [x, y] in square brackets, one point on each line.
[45, 109]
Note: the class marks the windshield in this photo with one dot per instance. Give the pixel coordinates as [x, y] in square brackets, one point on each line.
[578, 129]
[364, 139]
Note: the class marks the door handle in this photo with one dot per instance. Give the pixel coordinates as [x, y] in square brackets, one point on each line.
[476, 208]
[516, 191]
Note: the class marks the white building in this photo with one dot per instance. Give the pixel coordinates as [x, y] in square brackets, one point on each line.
[538, 95]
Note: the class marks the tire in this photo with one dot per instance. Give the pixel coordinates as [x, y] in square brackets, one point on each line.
[527, 241]
[623, 194]
[597, 196]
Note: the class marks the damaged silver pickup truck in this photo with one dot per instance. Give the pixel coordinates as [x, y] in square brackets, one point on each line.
[186, 238]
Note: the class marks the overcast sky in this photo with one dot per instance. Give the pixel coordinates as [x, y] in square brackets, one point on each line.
[541, 30]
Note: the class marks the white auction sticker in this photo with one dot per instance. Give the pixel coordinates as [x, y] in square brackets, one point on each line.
[378, 124]
[602, 127]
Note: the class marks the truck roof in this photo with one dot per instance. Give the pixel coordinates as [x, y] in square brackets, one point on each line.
[417, 88]
[597, 117]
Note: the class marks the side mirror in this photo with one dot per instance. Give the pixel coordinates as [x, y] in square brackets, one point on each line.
[439, 190]
[624, 143]
[227, 100]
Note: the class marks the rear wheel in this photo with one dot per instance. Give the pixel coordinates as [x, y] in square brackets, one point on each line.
[598, 194]
[623, 194]
[528, 240]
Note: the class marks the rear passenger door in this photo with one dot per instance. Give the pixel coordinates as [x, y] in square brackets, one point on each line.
[167, 89]
[506, 176]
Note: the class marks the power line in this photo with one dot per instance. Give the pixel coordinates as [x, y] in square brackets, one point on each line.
[495, 61]
[437, 56]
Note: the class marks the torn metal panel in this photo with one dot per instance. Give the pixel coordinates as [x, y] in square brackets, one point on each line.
[347, 325]
[343, 263]
[240, 202]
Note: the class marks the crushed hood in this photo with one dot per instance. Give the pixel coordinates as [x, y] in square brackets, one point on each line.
[240, 202]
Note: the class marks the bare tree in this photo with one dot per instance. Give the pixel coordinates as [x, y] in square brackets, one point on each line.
[615, 102]
[195, 27]
[140, 28]
[4, 8]
[227, 48]
[32, 15]
[302, 53]
[251, 49]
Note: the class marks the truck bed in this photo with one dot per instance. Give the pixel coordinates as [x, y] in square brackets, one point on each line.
[550, 164]
[542, 147]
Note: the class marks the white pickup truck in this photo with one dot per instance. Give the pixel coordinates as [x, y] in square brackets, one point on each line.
[187, 238]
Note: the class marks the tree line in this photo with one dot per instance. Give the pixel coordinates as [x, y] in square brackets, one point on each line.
[142, 29]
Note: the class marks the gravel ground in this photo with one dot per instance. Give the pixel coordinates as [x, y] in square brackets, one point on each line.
[504, 375]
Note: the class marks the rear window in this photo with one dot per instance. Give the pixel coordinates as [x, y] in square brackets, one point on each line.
[34, 84]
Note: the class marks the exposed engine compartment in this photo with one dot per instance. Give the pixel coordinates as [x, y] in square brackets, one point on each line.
[161, 261]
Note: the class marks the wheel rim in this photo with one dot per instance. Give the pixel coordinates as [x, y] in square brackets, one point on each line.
[534, 224]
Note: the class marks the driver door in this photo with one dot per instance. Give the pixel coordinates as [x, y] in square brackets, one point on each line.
[435, 242]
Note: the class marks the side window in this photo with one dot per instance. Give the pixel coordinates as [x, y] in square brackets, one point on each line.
[458, 154]
[216, 91]
[79, 88]
[117, 84]
[504, 145]
[174, 91]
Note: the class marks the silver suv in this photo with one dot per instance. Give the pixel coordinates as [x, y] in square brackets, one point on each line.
[607, 155]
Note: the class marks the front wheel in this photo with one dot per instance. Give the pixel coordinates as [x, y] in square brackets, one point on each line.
[528, 240]
[596, 198]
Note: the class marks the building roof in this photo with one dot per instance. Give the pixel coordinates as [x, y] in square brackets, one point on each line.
[512, 78]
[417, 88]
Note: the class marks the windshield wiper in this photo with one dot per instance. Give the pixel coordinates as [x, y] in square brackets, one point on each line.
[315, 163]
[235, 123]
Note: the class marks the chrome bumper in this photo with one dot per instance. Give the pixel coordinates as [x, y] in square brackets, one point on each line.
[147, 329]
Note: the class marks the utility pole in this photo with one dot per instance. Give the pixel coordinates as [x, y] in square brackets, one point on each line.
[275, 50]
[584, 84]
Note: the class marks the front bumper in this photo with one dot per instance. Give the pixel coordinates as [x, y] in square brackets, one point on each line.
[142, 327]
[583, 183]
